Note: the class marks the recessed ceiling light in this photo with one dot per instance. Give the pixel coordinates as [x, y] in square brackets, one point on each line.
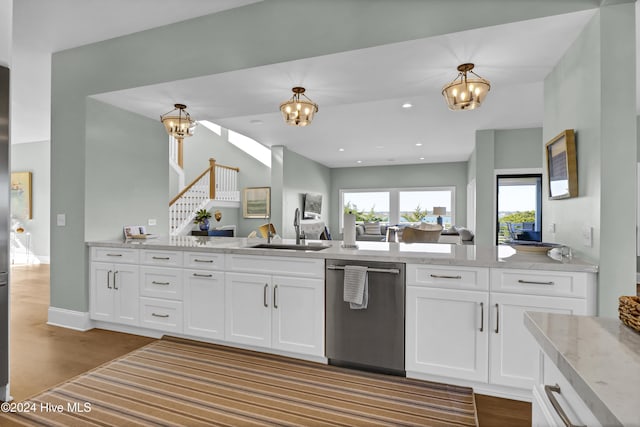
[256, 122]
[358, 161]
[407, 105]
[419, 144]
[340, 149]
[421, 158]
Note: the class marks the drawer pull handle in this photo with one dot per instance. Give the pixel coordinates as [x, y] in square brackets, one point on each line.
[114, 254]
[159, 315]
[549, 390]
[203, 260]
[481, 317]
[438, 276]
[497, 330]
[202, 275]
[161, 257]
[108, 278]
[264, 294]
[161, 283]
[115, 274]
[533, 282]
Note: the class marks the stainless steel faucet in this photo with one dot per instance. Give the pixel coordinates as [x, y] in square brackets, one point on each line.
[269, 235]
[296, 225]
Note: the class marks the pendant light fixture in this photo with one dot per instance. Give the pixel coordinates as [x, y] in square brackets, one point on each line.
[178, 122]
[296, 111]
[465, 93]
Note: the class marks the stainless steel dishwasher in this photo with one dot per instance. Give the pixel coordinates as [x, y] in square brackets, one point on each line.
[373, 338]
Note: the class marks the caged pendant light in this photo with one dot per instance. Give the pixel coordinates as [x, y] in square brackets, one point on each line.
[296, 111]
[178, 122]
[465, 93]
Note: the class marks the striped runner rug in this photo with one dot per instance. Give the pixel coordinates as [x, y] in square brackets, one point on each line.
[174, 382]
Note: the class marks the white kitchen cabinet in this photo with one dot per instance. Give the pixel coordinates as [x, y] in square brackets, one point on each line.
[513, 350]
[447, 332]
[279, 312]
[114, 293]
[161, 314]
[204, 303]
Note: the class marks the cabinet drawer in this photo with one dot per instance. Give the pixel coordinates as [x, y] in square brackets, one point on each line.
[115, 255]
[162, 258]
[454, 277]
[537, 282]
[160, 314]
[300, 267]
[204, 260]
[161, 282]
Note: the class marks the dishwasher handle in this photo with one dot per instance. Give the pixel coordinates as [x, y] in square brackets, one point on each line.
[369, 269]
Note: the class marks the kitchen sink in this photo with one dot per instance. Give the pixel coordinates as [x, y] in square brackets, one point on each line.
[290, 247]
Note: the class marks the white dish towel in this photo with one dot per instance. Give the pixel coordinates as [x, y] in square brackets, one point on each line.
[356, 286]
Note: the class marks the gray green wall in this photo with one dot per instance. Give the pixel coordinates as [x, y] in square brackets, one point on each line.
[34, 157]
[518, 148]
[401, 176]
[240, 38]
[589, 91]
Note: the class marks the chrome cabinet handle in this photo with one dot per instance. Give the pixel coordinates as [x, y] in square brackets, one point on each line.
[159, 315]
[481, 317]
[115, 273]
[108, 278]
[438, 276]
[497, 319]
[203, 260]
[161, 283]
[275, 293]
[161, 257]
[202, 275]
[532, 282]
[549, 390]
[264, 294]
[114, 254]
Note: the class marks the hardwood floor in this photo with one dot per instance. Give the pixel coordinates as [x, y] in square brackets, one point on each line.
[43, 356]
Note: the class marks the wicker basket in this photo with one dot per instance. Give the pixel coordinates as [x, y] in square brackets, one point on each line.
[629, 311]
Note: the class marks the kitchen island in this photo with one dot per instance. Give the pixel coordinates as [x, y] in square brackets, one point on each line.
[598, 358]
[464, 303]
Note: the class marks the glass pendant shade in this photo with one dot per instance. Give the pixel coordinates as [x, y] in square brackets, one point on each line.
[465, 93]
[296, 111]
[178, 122]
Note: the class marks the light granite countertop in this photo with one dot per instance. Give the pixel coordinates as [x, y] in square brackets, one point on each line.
[599, 356]
[419, 253]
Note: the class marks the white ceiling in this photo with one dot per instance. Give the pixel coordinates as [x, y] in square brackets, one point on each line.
[359, 92]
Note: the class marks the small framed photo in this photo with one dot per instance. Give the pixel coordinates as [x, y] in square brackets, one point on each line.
[562, 172]
[256, 202]
[134, 232]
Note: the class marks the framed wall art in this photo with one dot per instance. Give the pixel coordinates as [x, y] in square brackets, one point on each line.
[21, 195]
[562, 171]
[256, 202]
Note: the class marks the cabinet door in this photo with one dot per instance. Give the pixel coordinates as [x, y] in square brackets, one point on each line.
[298, 315]
[514, 352]
[447, 333]
[125, 286]
[101, 301]
[248, 309]
[204, 303]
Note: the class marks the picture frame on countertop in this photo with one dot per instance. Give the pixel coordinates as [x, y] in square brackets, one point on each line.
[256, 202]
[562, 172]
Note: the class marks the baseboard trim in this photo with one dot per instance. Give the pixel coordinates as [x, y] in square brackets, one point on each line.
[70, 319]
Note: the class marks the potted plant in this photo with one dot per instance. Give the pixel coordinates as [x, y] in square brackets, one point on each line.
[202, 218]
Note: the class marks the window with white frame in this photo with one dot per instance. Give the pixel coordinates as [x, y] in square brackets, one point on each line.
[399, 205]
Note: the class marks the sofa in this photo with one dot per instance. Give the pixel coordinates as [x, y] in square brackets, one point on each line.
[371, 232]
[377, 232]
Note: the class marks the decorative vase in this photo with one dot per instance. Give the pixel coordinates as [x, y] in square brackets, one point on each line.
[204, 225]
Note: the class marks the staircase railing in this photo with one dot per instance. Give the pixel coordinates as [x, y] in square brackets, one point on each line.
[217, 182]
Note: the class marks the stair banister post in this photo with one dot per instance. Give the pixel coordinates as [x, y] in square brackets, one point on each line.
[180, 157]
[212, 179]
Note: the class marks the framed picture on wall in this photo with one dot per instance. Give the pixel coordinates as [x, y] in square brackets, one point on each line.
[562, 172]
[256, 202]
[21, 195]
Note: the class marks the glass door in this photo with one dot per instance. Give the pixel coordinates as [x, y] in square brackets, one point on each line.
[519, 207]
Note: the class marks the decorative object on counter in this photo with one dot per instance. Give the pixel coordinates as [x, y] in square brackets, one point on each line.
[427, 233]
[562, 171]
[178, 122]
[296, 111]
[629, 311]
[349, 231]
[312, 206]
[533, 247]
[256, 202]
[217, 215]
[439, 210]
[466, 93]
[134, 232]
[202, 219]
[265, 228]
[21, 195]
